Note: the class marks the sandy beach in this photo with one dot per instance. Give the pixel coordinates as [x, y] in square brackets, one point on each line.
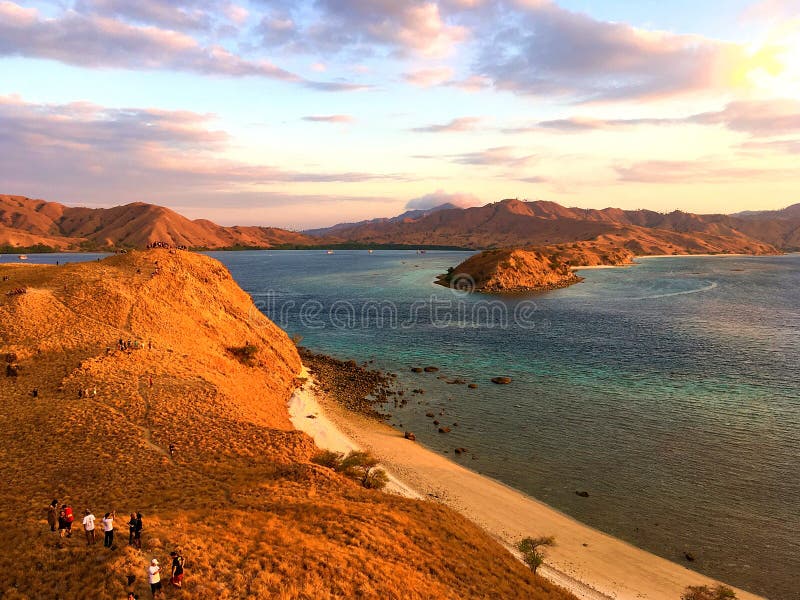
[589, 563]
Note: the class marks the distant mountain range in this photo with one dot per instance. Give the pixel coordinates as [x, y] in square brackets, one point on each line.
[514, 223]
[27, 223]
[342, 229]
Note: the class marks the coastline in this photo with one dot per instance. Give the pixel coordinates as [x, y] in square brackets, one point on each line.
[589, 563]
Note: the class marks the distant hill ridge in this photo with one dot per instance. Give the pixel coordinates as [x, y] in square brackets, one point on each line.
[25, 222]
[514, 223]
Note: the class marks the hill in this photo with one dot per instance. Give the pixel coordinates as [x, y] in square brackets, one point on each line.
[531, 269]
[252, 514]
[25, 222]
[514, 223]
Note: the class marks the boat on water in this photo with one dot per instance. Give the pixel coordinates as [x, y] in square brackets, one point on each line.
[23, 257]
[370, 251]
[329, 252]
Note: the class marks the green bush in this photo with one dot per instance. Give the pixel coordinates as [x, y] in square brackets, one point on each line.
[245, 354]
[357, 465]
[531, 549]
[329, 459]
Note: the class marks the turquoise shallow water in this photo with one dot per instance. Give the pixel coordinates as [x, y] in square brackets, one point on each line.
[667, 390]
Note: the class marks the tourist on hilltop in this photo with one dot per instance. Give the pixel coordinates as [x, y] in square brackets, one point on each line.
[88, 526]
[154, 576]
[62, 523]
[137, 531]
[108, 529]
[132, 529]
[52, 515]
[69, 518]
[177, 569]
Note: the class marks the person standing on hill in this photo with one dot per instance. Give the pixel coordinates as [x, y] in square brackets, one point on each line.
[177, 569]
[52, 515]
[88, 526]
[132, 529]
[137, 531]
[154, 576]
[69, 518]
[108, 529]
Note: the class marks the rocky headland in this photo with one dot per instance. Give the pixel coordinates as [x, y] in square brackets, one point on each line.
[150, 382]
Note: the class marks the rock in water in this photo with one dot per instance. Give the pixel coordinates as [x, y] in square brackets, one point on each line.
[409, 435]
[431, 369]
[501, 380]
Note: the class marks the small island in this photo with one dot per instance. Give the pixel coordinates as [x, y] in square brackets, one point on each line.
[539, 268]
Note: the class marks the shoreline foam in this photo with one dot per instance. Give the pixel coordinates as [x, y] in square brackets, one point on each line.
[589, 563]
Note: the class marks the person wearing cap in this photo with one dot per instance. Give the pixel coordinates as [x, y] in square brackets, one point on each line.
[88, 526]
[154, 576]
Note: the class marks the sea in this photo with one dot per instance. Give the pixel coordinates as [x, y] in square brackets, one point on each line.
[666, 393]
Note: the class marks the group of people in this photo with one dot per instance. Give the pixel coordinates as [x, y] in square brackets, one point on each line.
[61, 518]
[165, 245]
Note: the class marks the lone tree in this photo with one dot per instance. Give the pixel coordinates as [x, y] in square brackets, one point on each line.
[703, 592]
[533, 552]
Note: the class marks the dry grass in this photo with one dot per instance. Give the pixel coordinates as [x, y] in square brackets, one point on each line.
[253, 516]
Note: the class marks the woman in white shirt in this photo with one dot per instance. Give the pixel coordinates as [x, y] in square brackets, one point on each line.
[108, 528]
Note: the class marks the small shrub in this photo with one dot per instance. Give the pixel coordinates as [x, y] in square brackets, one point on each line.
[329, 459]
[356, 465]
[245, 354]
[703, 592]
[376, 479]
[532, 552]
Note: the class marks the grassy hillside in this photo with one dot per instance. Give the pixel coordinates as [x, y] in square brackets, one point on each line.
[252, 515]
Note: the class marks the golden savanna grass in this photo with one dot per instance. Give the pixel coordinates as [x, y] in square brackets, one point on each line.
[252, 514]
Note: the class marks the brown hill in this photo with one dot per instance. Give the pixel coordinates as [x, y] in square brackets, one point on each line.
[515, 223]
[532, 269]
[253, 516]
[26, 222]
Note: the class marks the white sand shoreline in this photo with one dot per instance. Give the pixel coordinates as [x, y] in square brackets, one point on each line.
[587, 562]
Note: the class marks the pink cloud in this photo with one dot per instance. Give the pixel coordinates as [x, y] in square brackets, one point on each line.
[90, 149]
[549, 51]
[97, 41]
[456, 125]
[429, 77]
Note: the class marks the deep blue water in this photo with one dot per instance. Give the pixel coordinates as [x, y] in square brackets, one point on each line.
[668, 390]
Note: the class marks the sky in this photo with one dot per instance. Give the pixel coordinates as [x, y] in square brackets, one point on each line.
[301, 114]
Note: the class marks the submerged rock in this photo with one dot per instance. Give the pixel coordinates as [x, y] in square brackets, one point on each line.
[501, 380]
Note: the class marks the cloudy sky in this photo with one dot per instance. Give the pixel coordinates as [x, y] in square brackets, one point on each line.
[306, 113]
